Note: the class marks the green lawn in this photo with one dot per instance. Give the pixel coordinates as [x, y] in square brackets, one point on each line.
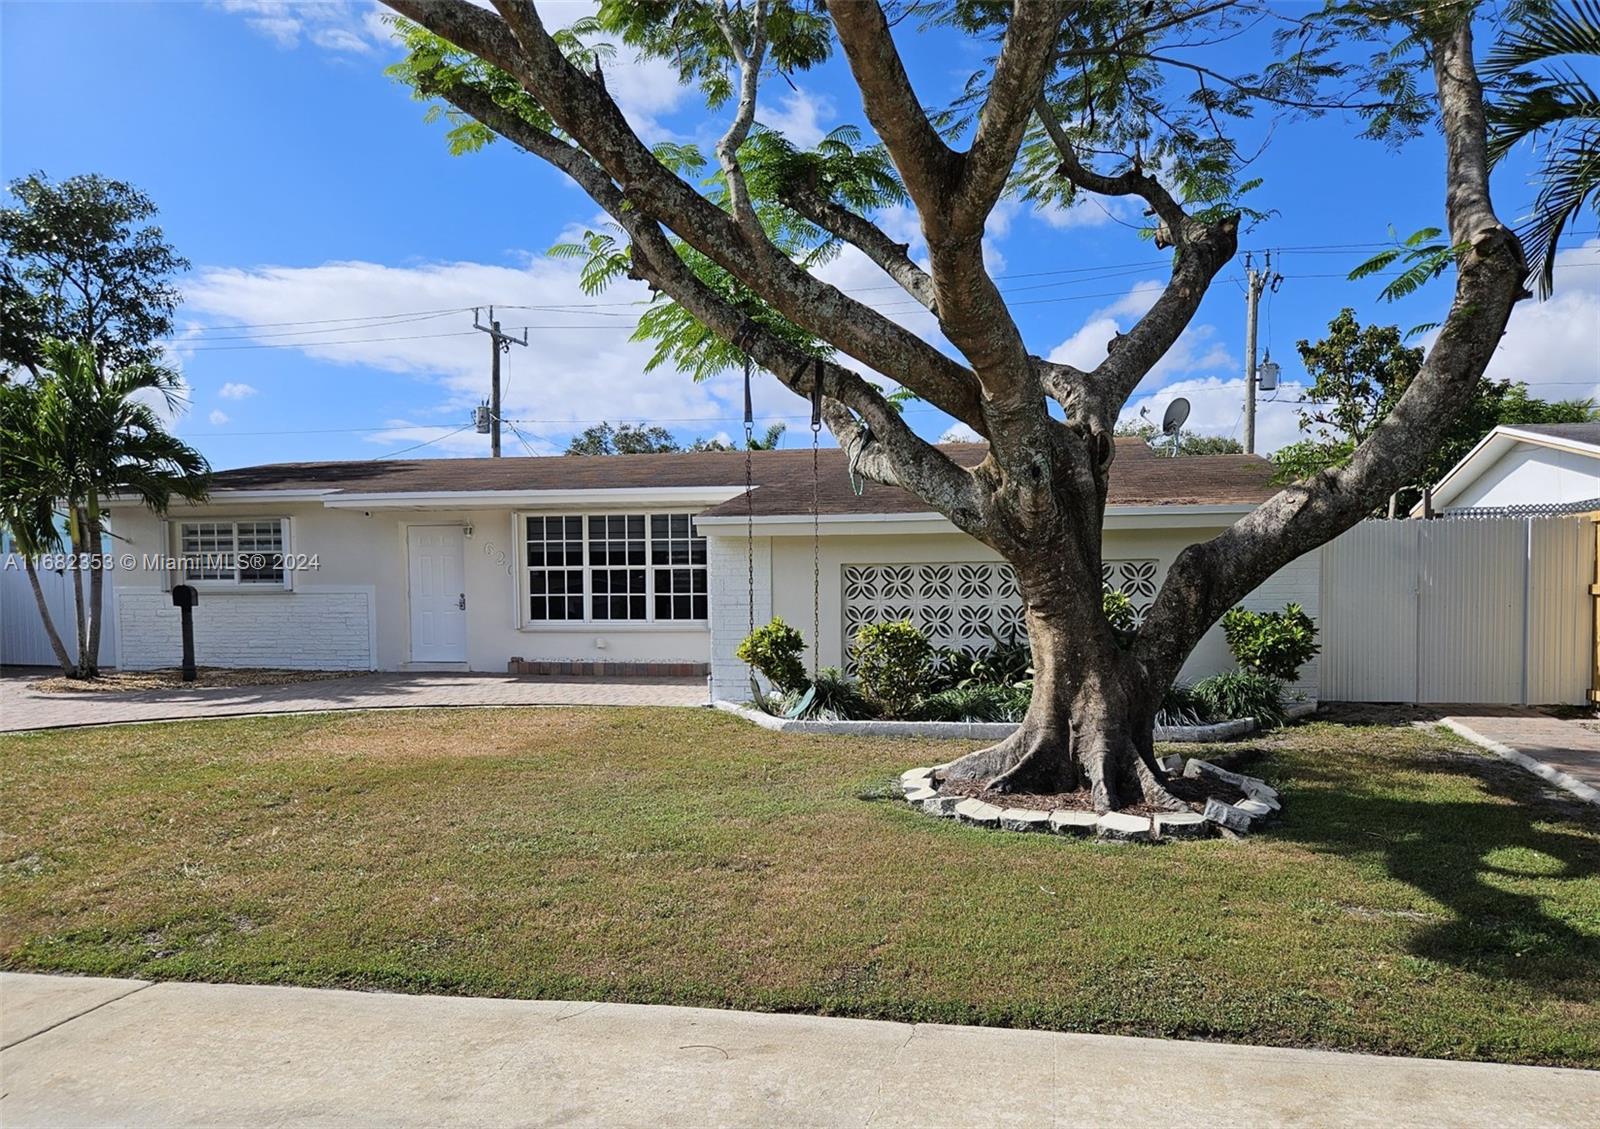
[1419, 898]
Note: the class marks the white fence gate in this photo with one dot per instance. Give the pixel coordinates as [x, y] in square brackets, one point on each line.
[23, 641]
[1482, 610]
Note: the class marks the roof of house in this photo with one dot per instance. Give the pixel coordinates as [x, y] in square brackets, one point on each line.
[1582, 438]
[1138, 477]
[1587, 434]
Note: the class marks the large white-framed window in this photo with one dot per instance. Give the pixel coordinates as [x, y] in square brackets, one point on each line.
[623, 568]
[233, 553]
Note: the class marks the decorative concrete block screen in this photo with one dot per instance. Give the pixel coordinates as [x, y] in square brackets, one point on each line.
[965, 605]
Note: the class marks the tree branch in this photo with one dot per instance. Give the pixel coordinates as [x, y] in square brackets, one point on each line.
[1020, 71]
[1208, 578]
[864, 235]
[1202, 250]
[583, 110]
[749, 63]
[890, 451]
[928, 167]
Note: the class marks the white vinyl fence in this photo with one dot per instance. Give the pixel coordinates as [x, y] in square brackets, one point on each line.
[1482, 610]
[23, 641]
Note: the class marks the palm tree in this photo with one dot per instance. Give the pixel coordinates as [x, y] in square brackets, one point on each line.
[27, 496]
[1542, 98]
[75, 438]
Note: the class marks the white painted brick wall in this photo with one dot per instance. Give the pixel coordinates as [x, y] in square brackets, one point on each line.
[303, 630]
[730, 609]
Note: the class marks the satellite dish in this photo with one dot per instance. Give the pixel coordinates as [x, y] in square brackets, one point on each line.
[1177, 412]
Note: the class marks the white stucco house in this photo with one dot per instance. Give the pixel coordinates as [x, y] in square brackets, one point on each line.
[625, 565]
[1549, 466]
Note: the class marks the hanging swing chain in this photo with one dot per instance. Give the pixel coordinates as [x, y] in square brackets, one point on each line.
[749, 500]
[816, 517]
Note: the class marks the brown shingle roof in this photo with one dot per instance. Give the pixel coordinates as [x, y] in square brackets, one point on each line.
[1138, 477]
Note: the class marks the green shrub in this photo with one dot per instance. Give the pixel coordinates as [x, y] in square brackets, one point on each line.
[1276, 644]
[836, 698]
[978, 702]
[1182, 706]
[1242, 693]
[1118, 609]
[1005, 662]
[894, 665]
[777, 651]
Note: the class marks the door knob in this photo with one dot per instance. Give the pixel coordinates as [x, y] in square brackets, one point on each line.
[461, 601]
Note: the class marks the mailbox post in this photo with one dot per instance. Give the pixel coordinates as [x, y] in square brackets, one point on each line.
[184, 598]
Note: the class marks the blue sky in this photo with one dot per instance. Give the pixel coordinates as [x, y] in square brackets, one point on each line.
[336, 244]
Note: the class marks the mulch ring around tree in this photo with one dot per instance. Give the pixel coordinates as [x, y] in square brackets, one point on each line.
[1217, 801]
[1193, 791]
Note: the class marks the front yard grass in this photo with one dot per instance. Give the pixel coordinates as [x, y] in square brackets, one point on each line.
[1418, 898]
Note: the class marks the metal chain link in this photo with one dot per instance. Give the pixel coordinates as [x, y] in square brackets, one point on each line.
[749, 500]
[816, 552]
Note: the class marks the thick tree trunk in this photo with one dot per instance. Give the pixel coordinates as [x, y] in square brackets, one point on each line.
[1090, 720]
[31, 567]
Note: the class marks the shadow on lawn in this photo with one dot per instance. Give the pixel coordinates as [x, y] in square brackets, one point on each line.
[1493, 863]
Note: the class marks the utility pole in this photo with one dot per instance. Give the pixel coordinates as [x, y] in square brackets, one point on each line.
[498, 343]
[1255, 282]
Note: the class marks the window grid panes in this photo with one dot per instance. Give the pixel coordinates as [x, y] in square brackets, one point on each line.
[232, 552]
[617, 572]
[555, 568]
[260, 545]
[627, 568]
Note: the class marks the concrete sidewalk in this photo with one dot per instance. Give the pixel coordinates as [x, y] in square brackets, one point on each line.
[93, 1051]
[22, 708]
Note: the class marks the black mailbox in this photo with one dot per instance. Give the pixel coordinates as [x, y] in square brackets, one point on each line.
[185, 597]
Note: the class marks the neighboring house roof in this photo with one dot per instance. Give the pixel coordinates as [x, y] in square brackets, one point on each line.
[1578, 438]
[1587, 434]
[1139, 477]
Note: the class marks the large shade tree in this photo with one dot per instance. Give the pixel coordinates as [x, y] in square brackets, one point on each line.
[1097, 98]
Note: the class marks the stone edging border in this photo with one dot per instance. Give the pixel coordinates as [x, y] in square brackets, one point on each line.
[989, 730]
[1260, 806]
[1517, 757]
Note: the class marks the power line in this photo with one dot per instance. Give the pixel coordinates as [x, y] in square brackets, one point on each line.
[425, 442]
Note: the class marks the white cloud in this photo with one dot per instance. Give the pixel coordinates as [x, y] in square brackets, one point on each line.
[960, 433]
[234, 390]
[1091, 211]
[341, 28]
[647, 90]
[1197, 349]
[1551, 345]
[1216, 407]
[580, 366]
[217, 418]
[802, 117]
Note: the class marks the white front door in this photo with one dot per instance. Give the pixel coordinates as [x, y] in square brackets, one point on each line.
[438, 593]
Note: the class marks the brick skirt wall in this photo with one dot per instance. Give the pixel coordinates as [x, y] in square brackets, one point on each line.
[303, 630]
[609, 669]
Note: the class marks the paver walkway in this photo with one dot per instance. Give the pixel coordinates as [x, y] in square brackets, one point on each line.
[82, 1051]
[22, 708]
[1565, 751]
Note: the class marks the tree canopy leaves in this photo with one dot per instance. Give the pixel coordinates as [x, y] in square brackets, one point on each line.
[79, 261]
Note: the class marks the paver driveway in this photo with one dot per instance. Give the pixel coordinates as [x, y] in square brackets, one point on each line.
[22, 708]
